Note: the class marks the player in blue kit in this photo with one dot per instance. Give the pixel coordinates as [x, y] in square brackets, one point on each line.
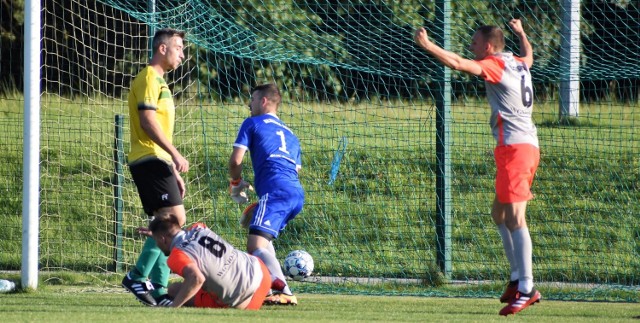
[275, 155]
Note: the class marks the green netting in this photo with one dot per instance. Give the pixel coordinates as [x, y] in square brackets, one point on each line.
[361, 97]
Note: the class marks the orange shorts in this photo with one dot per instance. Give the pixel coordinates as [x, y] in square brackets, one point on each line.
[516, 166]
[210, 300]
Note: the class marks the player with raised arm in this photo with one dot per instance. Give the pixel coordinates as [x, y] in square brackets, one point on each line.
[216, 274]
[275, 155]
[510, 94]
[154, 162]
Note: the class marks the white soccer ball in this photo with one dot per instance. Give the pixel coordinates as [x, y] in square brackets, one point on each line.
[298, 264]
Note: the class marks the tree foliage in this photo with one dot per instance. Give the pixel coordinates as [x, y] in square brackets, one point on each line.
[320, 49]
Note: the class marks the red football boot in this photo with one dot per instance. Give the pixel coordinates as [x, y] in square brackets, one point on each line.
[521, 301]
[510, 292]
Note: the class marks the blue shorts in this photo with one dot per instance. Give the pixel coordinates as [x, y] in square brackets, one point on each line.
[276, 208]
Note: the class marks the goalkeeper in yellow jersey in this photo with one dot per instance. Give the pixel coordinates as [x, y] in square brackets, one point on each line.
[154, 162]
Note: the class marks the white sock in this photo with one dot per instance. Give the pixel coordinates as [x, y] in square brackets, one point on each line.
[268, 256]
[272, 250]
[523, 253]
[507, 244]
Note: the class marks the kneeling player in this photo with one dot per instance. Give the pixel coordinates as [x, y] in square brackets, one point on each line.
[215, 273]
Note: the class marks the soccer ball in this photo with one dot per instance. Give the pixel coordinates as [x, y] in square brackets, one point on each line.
[298, 265]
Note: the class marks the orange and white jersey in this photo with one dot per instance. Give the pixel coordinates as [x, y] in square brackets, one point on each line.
[231, 274]
[510, 94]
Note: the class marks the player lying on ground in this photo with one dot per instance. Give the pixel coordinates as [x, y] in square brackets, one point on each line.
[216, 274]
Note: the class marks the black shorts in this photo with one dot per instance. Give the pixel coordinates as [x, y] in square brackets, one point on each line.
[157, 184]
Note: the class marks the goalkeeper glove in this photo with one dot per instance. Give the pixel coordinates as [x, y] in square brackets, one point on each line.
[236, 190]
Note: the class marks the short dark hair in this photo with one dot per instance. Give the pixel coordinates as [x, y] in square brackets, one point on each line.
[163, 35]
[269, 91]
[493, 35]
[164, 223]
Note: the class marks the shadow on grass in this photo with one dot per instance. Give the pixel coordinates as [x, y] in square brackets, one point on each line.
[563, 122]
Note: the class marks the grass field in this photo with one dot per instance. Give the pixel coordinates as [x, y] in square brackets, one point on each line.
[98, 304]
[378, 218]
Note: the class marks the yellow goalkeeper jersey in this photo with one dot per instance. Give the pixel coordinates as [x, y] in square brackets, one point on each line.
[149, 91]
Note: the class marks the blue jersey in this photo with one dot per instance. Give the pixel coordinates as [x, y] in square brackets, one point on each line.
[275, 152]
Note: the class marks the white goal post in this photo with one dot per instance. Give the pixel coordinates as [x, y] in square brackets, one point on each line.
[31, 155]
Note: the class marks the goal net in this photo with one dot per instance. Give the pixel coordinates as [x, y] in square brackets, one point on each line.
[362, 98]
